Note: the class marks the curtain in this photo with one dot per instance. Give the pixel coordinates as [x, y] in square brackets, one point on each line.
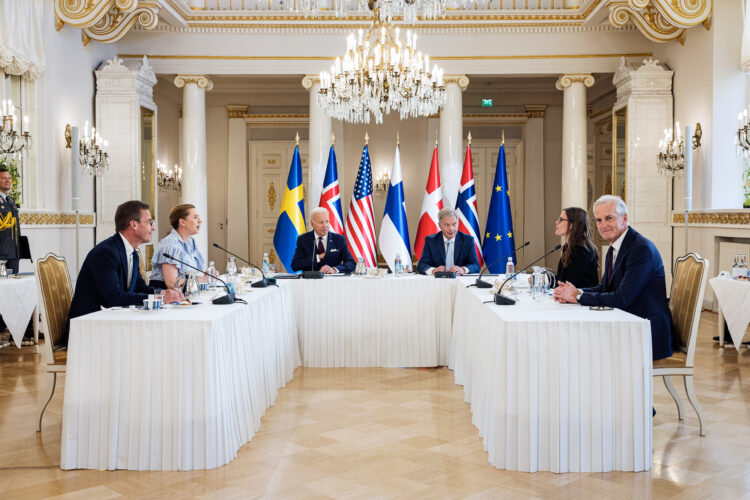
[21, 46]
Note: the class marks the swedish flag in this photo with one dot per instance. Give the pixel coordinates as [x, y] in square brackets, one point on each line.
[291, 221]
[498, 237]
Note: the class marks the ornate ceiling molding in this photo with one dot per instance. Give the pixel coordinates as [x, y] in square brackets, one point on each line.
[661, 20]
[105, 21]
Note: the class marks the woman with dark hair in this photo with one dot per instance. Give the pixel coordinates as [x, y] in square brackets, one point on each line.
[579, 263]
[179, 243]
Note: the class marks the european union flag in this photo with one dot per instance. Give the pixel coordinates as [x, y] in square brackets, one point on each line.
[498, 238]
[291, 221]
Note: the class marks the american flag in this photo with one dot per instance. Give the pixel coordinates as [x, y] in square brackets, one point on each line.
[360, 221]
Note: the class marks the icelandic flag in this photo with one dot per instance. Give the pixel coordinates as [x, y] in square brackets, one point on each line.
[394, 230]
[330, 196]
[498, 238]
[466, 206]
[291, 221]
[432, 203]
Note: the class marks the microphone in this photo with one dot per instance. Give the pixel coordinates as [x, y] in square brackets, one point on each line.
[226, 299]
[258, 284]
[483, 284]
[503, 300]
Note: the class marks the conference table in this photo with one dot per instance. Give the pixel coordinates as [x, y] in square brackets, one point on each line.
[551, 386]
[18, 305]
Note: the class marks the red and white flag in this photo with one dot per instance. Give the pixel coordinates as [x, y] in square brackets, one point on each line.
[360, 221]
[431, 205]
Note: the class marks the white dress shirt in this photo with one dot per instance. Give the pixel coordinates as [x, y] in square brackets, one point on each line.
[129, 253]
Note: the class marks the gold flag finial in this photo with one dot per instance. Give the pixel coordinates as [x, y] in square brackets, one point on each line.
[469, 138]
[397, 139]
[502, 139]
[333, 138]
[296, 139]
[367, 138]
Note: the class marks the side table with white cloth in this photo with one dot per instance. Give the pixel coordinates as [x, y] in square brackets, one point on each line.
[18, 304]
[555, 387]
[734, 307]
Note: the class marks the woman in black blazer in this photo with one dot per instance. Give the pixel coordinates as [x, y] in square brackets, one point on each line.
[579, 263]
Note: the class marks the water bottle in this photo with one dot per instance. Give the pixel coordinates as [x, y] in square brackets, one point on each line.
[743, 266]
[736, 267]
[211, 274]
[231, 267]
[509, 268]
[397, 265]
[266, 263]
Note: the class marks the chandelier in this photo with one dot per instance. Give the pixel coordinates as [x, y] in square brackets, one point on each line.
[380, 73]
[91, 154]
[387, 9]
[671, 157]
[11, 141]
[168, 179]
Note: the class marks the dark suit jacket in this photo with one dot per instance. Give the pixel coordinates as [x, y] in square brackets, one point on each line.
[103, 280]
[582, 270]
[638, 287]
[433, 254]
[337, 253]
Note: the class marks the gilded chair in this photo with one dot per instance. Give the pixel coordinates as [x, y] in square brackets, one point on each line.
[55, 296]
[688, 284]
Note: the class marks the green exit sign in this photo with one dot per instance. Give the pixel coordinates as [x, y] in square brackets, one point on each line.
[486, 103]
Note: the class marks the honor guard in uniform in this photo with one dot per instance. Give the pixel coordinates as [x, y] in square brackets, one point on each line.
[10, 230]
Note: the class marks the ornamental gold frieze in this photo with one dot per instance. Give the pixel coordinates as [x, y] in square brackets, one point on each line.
[85, 13]
[105, 21]
[718, 218]
[55, 219]
[661, 20]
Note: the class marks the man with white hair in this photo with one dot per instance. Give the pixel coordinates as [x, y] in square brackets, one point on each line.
[321, 250]
[448, 250]
[633, 278]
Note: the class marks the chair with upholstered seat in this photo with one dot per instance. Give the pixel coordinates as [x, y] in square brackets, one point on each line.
[688, 284]
[55, 296]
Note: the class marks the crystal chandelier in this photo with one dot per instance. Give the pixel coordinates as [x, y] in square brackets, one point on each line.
[380, 73]
[92, 157]
[11, 141]
[168, 179]
[671, 157]
[387, 9]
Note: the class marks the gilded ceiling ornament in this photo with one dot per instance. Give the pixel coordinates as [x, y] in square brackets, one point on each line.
[86, 13]
[661, 20]
[116, 22]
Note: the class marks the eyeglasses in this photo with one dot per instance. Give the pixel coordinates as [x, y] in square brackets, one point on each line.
[560, 219]
[149, 221]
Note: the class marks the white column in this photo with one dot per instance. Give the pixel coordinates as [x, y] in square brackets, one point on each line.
[237, 186]
[450, 147]
[574, 172]
[319, 144]
[194, 180]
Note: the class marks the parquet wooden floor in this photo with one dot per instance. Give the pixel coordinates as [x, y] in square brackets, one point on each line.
[388, 433]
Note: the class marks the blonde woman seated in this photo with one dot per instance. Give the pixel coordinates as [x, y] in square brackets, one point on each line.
[180, 244]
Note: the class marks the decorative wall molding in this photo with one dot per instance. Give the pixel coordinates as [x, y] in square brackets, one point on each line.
[461, 80]
[535, 110]
[713, 217]
[105, 21]
[661, 20]
[85, 13]
[236, 110]
[36, 218]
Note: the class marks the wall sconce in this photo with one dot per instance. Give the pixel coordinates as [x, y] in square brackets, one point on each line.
[10, 139]
[742, 141]
[91, 153]
[671, 157]
[168, 179]
[382, 184]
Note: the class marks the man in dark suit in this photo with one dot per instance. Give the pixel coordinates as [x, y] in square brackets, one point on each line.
[448, 250]
[633, 277]
[109, 275]
[10, 225]
[321, 250]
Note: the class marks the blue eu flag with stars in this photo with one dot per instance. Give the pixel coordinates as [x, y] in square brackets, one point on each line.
[498, 236]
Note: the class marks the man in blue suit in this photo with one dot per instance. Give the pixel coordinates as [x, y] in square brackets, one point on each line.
[448, 250]
[633, 278]
[321, 250]
[110, 275]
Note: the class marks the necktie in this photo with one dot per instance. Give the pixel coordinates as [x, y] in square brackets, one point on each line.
[449, 256]
[134, 258]
[609, 263]
[321, 249]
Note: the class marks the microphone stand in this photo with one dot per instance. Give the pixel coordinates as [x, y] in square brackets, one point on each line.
[258, 284]
[503, 300]
[226, 299]
[483, 284]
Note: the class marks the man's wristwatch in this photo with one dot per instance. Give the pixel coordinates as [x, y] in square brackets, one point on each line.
[578, 295]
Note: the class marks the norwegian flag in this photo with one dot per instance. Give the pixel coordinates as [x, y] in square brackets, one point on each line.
[466, 206]
[360, 221]
[330, 197]
[431, 205]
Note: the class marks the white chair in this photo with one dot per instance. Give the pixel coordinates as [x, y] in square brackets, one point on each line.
[688, 284]
[55, 296]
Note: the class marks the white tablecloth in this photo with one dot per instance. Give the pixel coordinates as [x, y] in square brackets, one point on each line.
[175, 389]
[555, 387]
[734, 301]
[18, 299]
[389, 322]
